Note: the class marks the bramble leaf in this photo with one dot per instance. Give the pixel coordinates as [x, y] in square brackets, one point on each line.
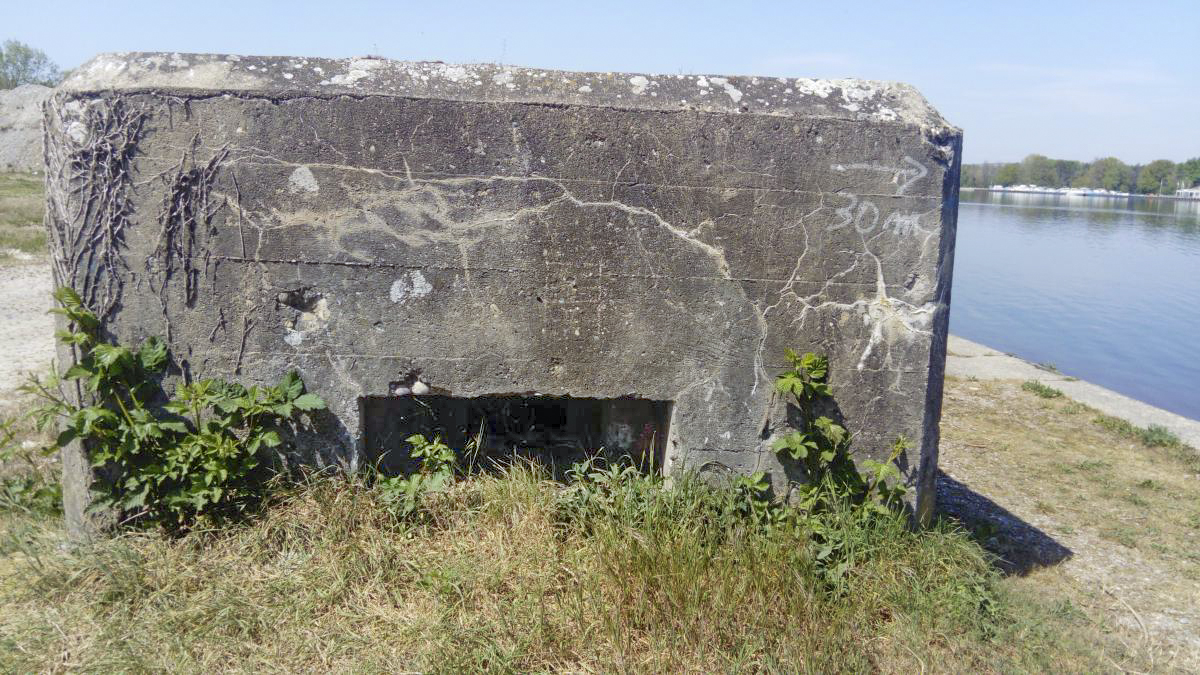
[291, 385]
[153, 354]
[309, 402]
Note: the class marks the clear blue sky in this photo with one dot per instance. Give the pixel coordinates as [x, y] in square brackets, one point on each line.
[1071, 80]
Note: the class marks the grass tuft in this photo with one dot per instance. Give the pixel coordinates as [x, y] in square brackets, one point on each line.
[1041, 390]
[1153, 436]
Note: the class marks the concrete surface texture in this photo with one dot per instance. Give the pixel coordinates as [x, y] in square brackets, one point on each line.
[21, 127]
[971, 359]
[392, 229]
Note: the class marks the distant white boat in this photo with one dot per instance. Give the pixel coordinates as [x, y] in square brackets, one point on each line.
[1070, 192]
[1191, 194]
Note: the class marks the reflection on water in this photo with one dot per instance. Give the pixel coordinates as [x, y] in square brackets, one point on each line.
[1104, 288]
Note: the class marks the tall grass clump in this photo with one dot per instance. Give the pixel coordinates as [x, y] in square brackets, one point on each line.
[1041, 390]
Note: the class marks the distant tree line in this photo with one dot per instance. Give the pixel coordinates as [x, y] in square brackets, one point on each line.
[21, 64]
[1162, 176]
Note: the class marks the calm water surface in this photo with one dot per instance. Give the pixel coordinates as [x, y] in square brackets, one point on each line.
[1108, 290]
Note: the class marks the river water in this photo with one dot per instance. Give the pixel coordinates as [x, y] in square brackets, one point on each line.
[1105, 289]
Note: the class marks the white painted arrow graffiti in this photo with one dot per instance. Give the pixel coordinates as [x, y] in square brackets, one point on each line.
[914, 172]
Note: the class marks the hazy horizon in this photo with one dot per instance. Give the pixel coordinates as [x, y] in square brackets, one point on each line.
[1073, 81]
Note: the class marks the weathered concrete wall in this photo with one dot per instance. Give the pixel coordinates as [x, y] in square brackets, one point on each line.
[495, 230]
[21, 127]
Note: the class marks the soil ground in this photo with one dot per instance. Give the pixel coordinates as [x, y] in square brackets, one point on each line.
[26, 330]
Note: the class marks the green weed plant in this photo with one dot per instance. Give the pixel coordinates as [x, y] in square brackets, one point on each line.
[204, 453]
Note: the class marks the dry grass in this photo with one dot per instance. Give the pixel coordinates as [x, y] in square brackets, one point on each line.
[495, 579]
[1124, 503]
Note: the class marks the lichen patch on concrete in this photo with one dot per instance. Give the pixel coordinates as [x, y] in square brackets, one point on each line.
[411, 286]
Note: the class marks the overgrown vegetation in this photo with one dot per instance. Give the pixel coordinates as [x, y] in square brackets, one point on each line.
[438, 464]
[1044, 391]
[823, 447]
[202, 453]
[27, 484]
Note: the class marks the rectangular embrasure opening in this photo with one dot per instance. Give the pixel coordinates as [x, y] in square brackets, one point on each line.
[556, 431]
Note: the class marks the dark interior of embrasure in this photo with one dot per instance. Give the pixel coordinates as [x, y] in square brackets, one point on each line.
[491, 431]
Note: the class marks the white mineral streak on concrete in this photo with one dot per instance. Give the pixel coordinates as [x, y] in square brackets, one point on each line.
[458, 229]
[303, 180]
[891, 319]
[970, 359]
[715, 252]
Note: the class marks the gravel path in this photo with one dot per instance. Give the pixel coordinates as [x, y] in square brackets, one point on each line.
[26, 330]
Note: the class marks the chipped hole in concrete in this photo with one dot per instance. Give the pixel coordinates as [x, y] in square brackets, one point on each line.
[310, 313]
[556, 431]
[303, 299]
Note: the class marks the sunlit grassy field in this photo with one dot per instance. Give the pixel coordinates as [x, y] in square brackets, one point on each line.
[21, 208]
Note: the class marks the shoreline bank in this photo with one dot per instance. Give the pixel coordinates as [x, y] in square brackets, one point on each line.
[966, 359]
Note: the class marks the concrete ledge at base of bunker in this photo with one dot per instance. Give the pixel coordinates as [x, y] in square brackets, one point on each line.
[511, 232]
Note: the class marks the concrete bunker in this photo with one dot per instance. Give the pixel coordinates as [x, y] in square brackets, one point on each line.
[593, 237]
